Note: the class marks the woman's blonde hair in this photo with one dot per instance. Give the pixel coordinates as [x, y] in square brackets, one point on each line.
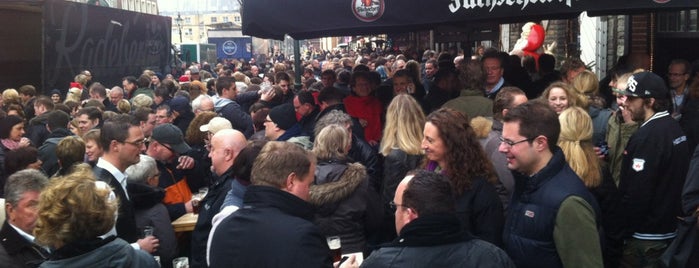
[123, 106]
[332, 142]
[586, 85]
[11, 96]
[74, 208]
[576, 142]
[404, 123]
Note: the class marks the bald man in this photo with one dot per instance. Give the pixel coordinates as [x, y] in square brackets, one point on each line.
[225, 146]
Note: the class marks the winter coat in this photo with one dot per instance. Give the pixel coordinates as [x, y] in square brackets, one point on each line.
[600, 118]
[47, 151]
[209, 207]
[230, 110]
[437, 241]
[110, 252]
[36, 129]
[340, 195]
[150, 211]
[272, 229]
[618, 135]
[16, 251]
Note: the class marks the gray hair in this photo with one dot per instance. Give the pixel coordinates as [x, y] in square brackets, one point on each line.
[141, 171]
[333, 117]
[24, 181]
[196, 103]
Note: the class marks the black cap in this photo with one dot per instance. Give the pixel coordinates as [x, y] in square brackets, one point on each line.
[170, 135]
[646, 85]
[283, 116]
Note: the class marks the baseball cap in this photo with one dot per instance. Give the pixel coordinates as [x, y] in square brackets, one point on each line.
[216, 124]
[646, 85]
[170, 135]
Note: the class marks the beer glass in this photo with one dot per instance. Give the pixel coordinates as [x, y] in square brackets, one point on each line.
[335, 246]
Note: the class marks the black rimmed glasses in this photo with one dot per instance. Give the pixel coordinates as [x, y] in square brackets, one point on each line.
[511, 144]
[137, 143]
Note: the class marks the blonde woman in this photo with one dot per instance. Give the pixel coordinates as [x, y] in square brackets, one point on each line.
[400, 146]
[576, 142]
[586, 85]
[560, 96]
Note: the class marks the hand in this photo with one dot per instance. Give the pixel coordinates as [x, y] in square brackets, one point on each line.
[548, 49]
[351, 262]
[188, 206]
[149, 244]
[267, 96]
[185, 162]
[598, 152]
[373, 142]
[24, 142]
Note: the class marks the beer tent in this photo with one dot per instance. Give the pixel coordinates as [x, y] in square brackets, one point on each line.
[319, 18]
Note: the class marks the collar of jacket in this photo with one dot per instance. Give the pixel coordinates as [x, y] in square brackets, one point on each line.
[531, 184]
[258, 196]
[431, 230]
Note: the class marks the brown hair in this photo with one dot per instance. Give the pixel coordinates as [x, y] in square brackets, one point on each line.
[194, 136]
[465, 156]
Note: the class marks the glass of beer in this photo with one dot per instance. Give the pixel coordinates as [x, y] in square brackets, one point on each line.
[196, 203]
[181, 262]
[335, 246]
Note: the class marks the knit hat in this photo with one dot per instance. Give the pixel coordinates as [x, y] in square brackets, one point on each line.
[283, 116]
[646, 85]
[7, 123]
[216, 124]
[170, 135]
[180, 104]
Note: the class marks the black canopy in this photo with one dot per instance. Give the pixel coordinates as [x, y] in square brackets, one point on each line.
[319, 18]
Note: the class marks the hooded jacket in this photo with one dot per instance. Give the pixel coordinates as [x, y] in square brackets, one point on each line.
[340, 196]
[47, 151]
[232, 111]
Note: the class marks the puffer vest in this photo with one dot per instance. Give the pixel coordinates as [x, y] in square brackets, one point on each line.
[528, 233]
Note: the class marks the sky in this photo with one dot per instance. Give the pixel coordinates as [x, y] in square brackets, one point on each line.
[196, 6]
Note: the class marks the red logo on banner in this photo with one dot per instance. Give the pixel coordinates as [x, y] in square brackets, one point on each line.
[661, 1]
[368, 10]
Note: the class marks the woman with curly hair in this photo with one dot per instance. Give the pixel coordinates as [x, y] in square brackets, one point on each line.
[452, 149]
[76, 220]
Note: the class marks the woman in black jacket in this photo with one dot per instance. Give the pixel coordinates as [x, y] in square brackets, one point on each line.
[340, 190]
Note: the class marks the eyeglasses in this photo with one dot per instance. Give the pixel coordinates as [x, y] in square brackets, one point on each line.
[676, 74]
[393, 205]
[137, 143]
[513, 143]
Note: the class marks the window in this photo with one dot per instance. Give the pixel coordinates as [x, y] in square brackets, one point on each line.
[188, 20]
[237, 19]
[213, 20]
[225, 19]
[678, 21]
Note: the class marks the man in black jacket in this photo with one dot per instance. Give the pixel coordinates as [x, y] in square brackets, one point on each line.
[653, 170]
[57, 125]
[430, 234]
[122, 149]
[17, 248]
[273, 228]
[225, 146]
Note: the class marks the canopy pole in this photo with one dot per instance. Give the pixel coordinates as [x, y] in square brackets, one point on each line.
[297, 65]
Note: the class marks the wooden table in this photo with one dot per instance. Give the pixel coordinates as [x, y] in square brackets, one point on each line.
[185, 223]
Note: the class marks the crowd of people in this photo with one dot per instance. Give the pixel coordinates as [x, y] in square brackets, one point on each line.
[439, 161]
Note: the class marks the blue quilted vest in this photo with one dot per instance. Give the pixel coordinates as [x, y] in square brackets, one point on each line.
[528, 233]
